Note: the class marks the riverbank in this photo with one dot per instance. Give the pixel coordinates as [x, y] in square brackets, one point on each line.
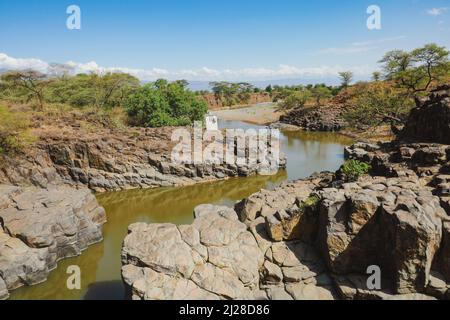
[260, 114]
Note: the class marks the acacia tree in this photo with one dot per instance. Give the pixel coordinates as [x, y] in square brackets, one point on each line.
[376, 76]
[416, 70]
[111, 89]
[295, 100]
[346, 78]
[232, 93]
[32, 81]
[377, 103]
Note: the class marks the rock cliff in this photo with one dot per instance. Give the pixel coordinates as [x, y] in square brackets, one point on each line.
[430, 120]
[111, 161]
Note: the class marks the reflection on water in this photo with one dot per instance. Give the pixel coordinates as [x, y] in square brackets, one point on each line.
[100, 264]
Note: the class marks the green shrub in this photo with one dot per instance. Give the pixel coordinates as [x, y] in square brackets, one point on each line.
[377, 103]
[353, 169]
[165, 104]
[295, 99]
[310, 202]
[14, 131]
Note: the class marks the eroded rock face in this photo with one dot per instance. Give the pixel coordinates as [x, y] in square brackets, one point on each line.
[113, 161]
[392, 223]
[215, 257]
[39, 227]
[218, 257]
[3, 290]
[286, 197]
[318, 237]
[430, 120]
[325, 118]
[444, 255]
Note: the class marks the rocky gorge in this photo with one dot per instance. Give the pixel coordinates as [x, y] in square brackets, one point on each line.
[316, 238]
[48, 210]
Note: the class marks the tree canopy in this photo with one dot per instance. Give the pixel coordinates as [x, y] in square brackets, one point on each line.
[416, 70]
[162, 103]
[346, 78]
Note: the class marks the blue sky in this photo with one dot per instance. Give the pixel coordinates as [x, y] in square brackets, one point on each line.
[211, 39]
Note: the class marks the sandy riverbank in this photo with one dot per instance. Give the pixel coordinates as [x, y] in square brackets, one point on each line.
[262, 113]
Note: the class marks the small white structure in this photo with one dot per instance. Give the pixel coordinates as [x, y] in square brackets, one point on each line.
[211, 122]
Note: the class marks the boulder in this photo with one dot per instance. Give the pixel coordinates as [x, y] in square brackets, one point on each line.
[214, 255]
[278, 293]
[39, 227]
[324, 118]
[398, 229]
[437, 286]
[4, 294]
[430, 120]
[21, 265]
[353, 287]
[301, 291]
[271, 273]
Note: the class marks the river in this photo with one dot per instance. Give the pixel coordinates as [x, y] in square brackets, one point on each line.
[100, 264]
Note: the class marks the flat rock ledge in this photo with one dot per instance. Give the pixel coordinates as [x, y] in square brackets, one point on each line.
[39, 227]
[218, 257]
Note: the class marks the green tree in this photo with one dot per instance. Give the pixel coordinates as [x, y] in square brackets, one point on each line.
[230, 93]
[296, 99]
[378, 103]
[32, 82]
[376, 76]
[164, 104]
[346, 78]
[111, 89]
[418, 69]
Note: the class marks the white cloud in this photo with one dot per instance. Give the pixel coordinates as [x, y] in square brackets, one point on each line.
[437, 11]
[204, 74]
[10, 63]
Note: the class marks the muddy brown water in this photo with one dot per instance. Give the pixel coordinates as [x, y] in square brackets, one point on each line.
[100, 264]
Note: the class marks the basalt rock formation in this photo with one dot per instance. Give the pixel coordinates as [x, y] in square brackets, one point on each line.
[324, 118]
[47, 209]
[218, 257]
[430, 120]
[320, 238]
[110, 161]
[39, 227]
[309, 239]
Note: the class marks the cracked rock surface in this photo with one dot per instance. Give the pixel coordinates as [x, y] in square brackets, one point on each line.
[218, 257]
[39, 227]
